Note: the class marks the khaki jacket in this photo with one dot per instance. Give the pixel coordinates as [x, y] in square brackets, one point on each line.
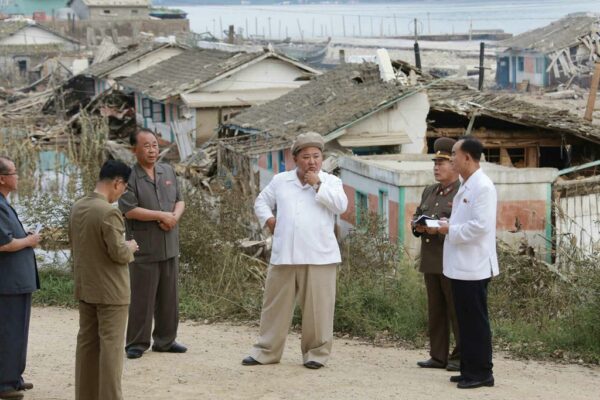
[100, 255]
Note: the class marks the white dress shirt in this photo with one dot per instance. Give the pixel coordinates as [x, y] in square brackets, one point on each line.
[304, 232]
[470, 245]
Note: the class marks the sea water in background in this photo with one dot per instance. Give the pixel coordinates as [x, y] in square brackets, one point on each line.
[433, 17]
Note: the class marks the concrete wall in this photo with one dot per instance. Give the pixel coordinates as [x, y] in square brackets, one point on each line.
[524, 198]
[99, 13]
[33, 35]
[174, 112]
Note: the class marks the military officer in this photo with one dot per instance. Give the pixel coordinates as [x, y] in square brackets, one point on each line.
[436, 202]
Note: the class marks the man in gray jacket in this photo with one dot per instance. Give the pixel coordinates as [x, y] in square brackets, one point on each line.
[19, 279]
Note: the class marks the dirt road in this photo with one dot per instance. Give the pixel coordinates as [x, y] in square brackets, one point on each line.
[211, 370]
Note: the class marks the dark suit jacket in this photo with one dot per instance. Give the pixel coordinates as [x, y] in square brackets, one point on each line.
[18, 270]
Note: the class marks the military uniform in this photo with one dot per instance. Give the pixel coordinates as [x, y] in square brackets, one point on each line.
[100, 259]
[154, 271]
[436, 202]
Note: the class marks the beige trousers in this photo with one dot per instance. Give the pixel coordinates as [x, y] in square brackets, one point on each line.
[313, 286]
[99, 355]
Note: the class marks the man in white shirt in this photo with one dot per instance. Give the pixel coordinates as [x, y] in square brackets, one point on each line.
[470, 261]
[304, 257]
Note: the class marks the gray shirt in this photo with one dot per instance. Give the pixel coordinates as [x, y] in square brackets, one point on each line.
[160, 194]
[18, 270]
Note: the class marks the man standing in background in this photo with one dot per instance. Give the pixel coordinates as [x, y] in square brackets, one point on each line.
[470, 261]
[19, 278]
[436, 202]
[153, 205]
[100, 259]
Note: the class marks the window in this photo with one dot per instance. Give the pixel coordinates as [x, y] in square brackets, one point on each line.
[492, 155]
[520, 64]
[154, 110]
[146, 108]
[270, 161]
[158, 112]
[22, 65]
[106, 11]
[281, 156]
[517, 157]
[362, 207]
[134, 12]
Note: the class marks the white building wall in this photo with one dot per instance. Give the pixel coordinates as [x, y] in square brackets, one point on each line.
[33, 35]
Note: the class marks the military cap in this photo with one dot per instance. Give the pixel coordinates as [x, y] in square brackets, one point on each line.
[308, 139]
[443, 148]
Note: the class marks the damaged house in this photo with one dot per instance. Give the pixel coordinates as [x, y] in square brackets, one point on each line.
[106, 74]
[199, 89]
[563, 51]
[514, 132]
[24, 46]
[363, 108]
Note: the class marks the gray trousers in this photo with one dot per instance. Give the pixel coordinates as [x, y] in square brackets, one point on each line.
[15, 312]
[154, 295]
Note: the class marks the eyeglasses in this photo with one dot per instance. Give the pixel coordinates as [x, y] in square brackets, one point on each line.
[12, 173]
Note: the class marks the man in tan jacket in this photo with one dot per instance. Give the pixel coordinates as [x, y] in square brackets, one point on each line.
[101, 256]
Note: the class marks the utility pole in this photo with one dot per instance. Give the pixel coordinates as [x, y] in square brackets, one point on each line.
[481, 67]
[417, 51]
[589, 110]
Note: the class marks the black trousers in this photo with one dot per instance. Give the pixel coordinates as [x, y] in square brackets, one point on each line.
[470, 301]
[15, 312]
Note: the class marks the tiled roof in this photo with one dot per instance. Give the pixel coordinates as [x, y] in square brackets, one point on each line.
[185, 72]
[101, 69]
[331, 101]
[560, 34]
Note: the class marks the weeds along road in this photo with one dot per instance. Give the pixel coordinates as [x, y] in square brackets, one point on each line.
[211, 370]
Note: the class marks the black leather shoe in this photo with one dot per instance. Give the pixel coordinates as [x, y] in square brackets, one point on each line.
[248, 361]
[26, 386]
[457, 378]
[431, 363]
[11, 394]
[470, 384]
[134, 353]
[313, 365]
[453, 366]
[174, 348]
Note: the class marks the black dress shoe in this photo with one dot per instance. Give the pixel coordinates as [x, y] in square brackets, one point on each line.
[134, 353]
[431, 363]
[471, 384]
[453, 366]
[250, 361]
[313, 365]
[457, 378]
[174, 348]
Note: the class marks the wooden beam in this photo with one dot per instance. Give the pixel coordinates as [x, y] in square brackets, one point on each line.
[589, 110]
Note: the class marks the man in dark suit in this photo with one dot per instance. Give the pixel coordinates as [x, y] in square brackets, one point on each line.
[436, 202]
[18, 270]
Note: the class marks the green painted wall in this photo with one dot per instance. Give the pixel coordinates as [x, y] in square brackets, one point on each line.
[27, 7]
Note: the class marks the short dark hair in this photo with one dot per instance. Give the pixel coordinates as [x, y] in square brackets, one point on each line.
[4, 160]
[133, 137]
[472, 146]
[113, 169]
